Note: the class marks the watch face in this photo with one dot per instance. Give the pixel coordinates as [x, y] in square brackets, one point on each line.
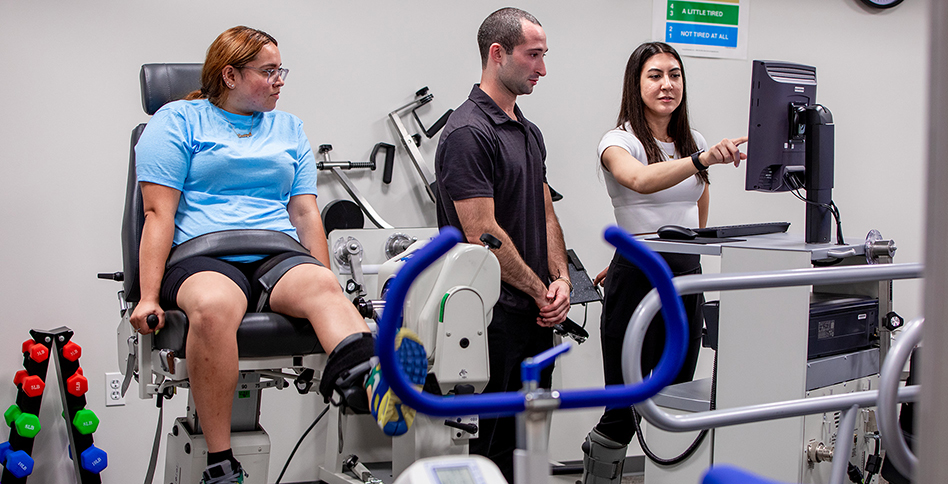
[882, 3]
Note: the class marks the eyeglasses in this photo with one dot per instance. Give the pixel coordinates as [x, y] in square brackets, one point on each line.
[271, 73]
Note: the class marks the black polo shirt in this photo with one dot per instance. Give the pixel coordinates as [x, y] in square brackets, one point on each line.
[484, 153]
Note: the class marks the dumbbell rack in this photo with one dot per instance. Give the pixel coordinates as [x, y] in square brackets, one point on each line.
[23, 416]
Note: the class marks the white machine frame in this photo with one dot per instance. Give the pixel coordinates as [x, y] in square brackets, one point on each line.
[450, 302]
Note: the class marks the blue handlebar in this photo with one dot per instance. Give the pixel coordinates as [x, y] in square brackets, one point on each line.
[510, 403]
[531, 368]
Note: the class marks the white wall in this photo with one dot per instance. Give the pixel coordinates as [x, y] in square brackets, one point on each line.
[70, 81]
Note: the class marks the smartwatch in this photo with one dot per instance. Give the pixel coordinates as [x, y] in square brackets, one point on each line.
[694, 159]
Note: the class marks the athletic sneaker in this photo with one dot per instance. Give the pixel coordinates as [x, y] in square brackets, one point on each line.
[223, 473]
[393, 417]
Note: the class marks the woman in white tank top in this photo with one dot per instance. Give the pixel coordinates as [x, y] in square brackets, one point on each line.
[655, 168]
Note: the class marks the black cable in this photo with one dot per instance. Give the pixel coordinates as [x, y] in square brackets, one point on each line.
[298, 442]
[795, 187]
[855, 475]
[152, 462]
[874, 457]
[826, 262]
[698, 440]
[585, 314]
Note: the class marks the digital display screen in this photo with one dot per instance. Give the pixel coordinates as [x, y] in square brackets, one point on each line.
[454, 475]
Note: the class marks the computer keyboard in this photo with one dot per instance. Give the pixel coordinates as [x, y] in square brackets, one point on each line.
[725, 231]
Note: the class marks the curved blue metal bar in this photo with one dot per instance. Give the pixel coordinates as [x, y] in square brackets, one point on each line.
[509, 403]
[728, 474]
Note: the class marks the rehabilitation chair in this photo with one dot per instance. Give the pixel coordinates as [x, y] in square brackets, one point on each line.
[454, 299]
[272, 348]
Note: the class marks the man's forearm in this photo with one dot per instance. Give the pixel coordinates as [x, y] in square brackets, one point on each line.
[516, 272]
[556, 246]
[477, 217]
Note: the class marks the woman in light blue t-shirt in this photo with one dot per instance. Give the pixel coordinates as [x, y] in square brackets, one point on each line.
[224, 159]
[654, 166]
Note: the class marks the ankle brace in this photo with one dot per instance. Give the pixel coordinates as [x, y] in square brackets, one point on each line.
[603, 459]
[346, 369]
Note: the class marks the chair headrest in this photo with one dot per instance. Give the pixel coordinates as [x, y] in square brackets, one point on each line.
[163, 83]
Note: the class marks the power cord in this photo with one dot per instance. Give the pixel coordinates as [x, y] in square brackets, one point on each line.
[874, 461]
[698, 440]
[873, 464]
[795, 186]
[300, 441]
[153, 461]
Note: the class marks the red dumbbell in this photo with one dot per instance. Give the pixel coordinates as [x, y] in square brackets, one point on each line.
[33, 386]
[77, 384]
[18, 377]
[26, 346]
[72, 351]
[38, 352]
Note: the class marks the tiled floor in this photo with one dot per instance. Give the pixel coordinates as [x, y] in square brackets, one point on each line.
[572, 479]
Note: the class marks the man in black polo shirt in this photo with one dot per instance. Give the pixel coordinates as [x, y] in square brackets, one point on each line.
[491, 174]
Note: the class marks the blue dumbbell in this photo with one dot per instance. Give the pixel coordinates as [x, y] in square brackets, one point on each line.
[4, 450]
[94, 459]
[19, 463]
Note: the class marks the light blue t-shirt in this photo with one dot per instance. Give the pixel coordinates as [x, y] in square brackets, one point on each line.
[226, 182]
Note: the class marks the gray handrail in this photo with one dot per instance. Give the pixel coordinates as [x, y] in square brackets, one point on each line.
[888, 412]
[650, 305]
[843, 446]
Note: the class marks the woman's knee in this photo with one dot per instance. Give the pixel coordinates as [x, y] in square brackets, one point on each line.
[309, 279]
[212, 302]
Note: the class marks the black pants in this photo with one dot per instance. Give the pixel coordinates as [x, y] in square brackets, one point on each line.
[511, 337]
[626, 286]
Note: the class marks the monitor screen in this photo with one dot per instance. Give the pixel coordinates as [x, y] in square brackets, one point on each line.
[460, 474]
[776, 128]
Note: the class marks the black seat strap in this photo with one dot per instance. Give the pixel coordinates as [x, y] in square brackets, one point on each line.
[271, 277]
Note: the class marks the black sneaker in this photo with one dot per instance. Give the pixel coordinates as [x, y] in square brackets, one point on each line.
[223, 473]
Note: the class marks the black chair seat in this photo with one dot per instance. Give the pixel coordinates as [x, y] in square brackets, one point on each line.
[259, 335]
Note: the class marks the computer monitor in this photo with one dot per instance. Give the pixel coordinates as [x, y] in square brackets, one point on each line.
[790, 140]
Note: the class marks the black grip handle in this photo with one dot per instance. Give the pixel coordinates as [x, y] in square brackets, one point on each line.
[430, 132]
[152, 321]
[363, 164]
[345, 165]
[490, 241]
[466, 427]
[438, 124]
[389, 160]
[115, 276]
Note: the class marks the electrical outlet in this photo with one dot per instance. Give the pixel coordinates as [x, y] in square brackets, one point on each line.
[113, 389]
